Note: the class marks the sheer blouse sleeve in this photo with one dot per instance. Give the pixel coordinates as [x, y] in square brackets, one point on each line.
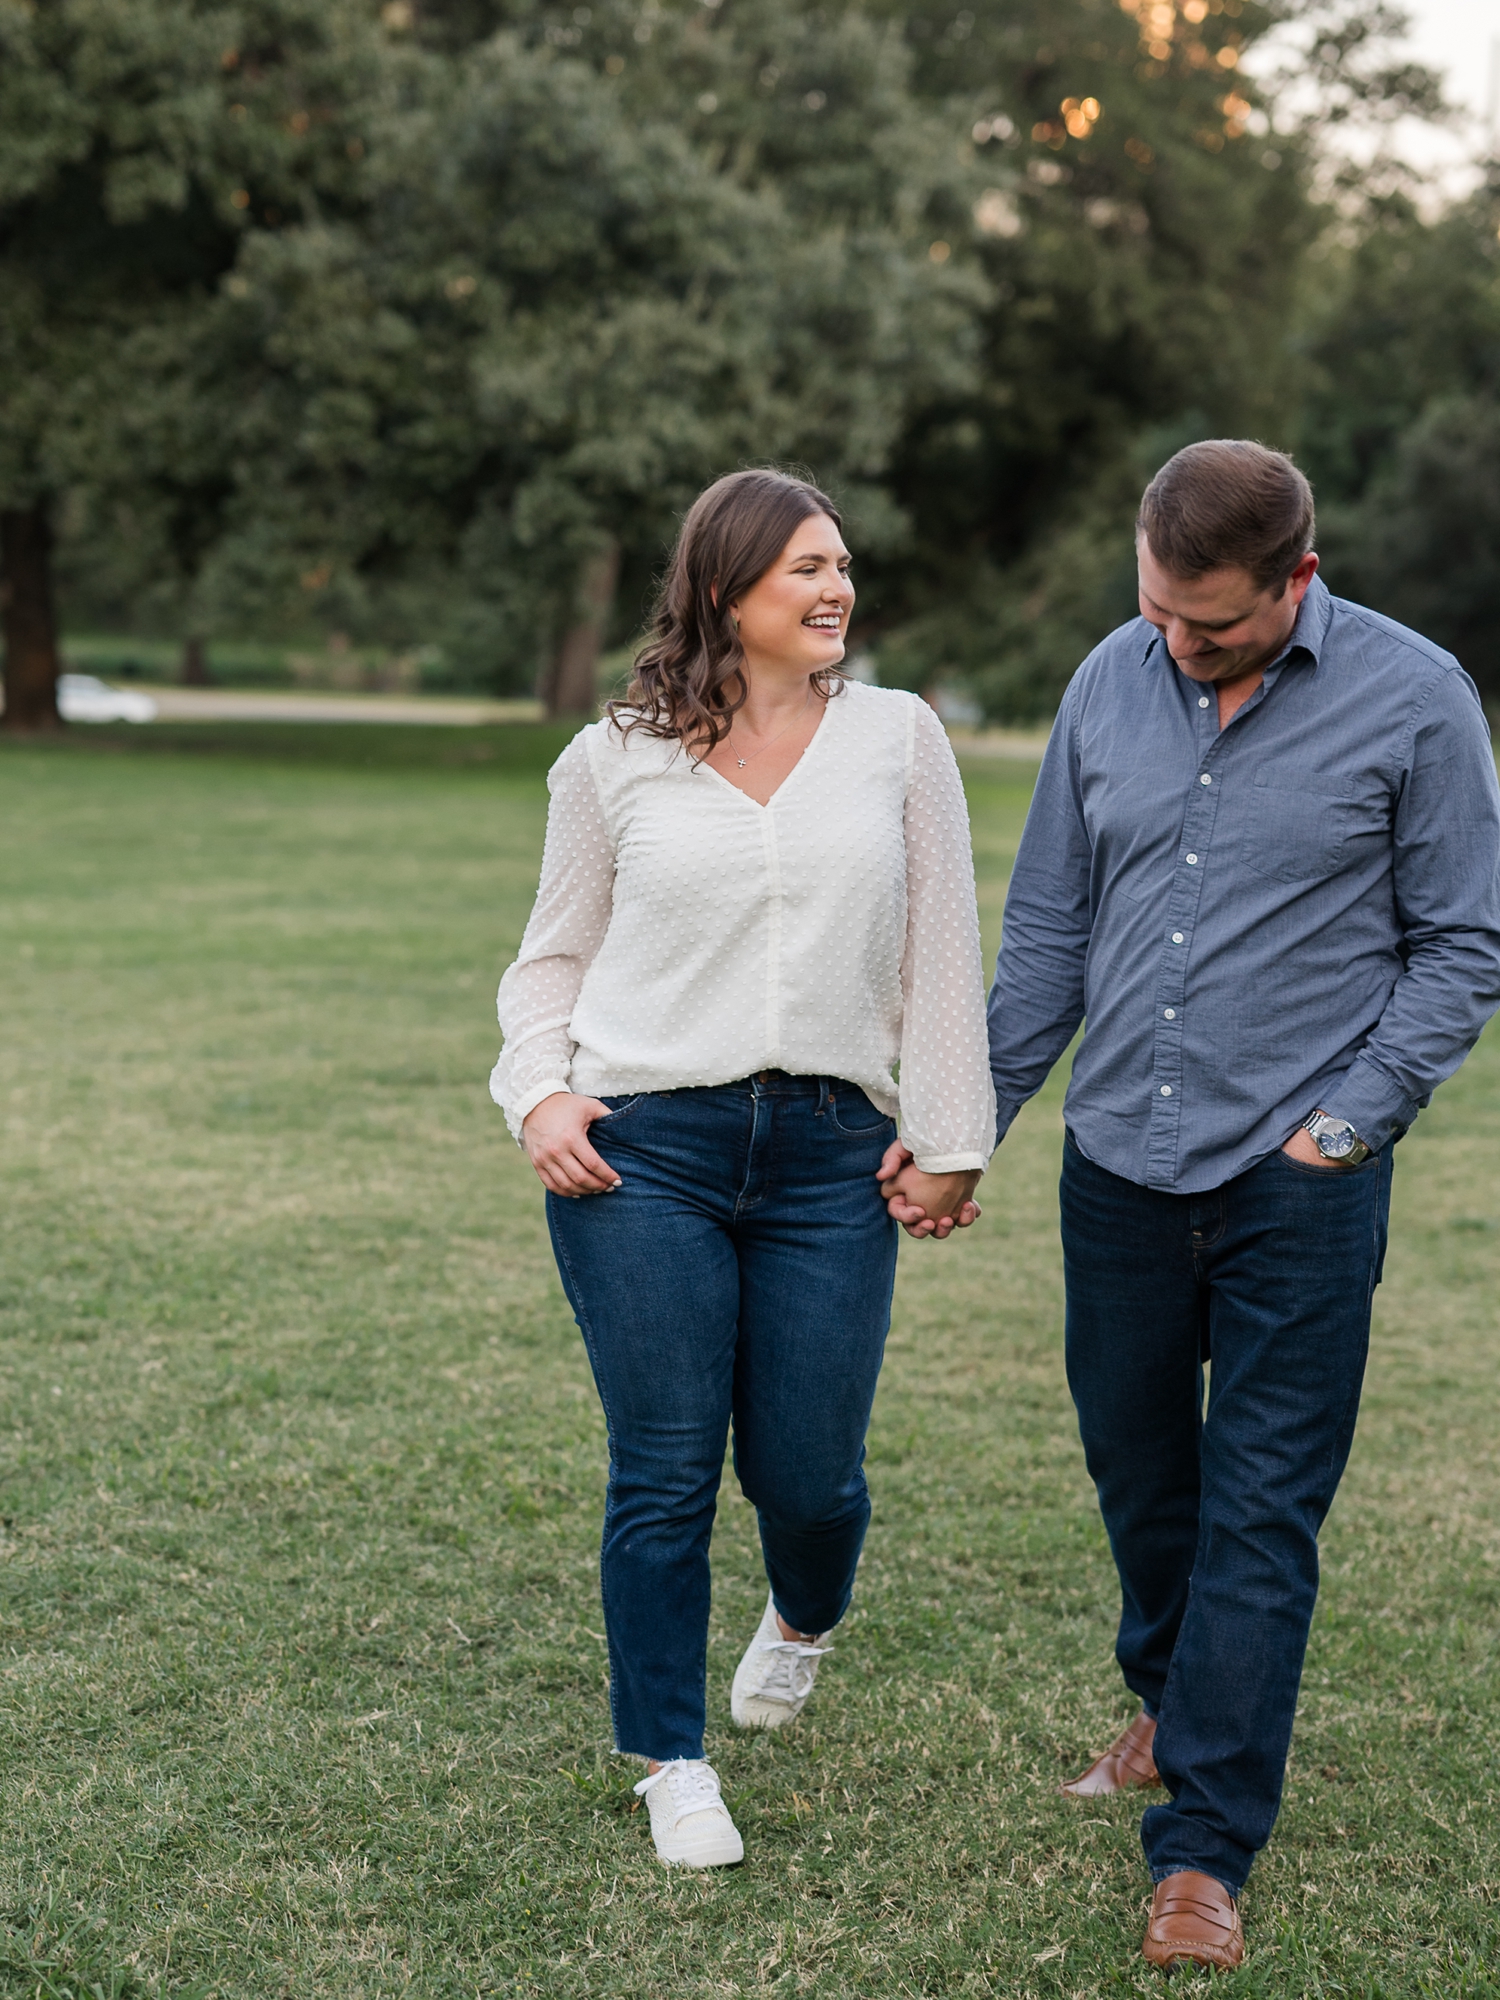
[947, 1098]
[538, 993]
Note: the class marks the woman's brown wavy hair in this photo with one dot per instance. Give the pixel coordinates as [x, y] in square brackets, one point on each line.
[687, 680]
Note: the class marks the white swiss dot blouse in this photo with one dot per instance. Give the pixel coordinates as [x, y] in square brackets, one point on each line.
[685, 935]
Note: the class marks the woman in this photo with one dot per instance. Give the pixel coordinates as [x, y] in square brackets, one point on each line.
[757, 897]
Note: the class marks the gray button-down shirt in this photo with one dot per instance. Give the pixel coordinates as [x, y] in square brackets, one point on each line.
[1299, 911]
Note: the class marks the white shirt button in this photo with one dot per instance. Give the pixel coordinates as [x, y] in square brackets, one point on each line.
[1205, 779]
[1192, 861]
[1166, 1090]
[1177, 937]
[1169, 1014]
[1203, 701]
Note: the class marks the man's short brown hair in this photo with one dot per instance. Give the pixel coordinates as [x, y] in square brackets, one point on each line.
[1228, 503]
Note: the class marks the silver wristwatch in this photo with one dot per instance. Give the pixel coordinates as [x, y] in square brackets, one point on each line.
[1336, 1139]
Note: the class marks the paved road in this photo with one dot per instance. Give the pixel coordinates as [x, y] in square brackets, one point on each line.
[180, 704]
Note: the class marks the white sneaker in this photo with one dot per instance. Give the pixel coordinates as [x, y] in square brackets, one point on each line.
[690, 1822]
[774, 1677]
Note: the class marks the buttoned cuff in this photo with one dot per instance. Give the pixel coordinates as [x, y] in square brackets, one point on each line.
[950, 1163]
[1371, 1100]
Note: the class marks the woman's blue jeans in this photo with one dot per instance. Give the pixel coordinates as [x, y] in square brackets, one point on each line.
[1213, 1516]
[741, 1275]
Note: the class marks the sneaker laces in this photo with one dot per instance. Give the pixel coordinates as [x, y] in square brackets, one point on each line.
[691, 1784]
[790, 1677]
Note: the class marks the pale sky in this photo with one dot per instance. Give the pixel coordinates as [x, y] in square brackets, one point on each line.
[1457, 38]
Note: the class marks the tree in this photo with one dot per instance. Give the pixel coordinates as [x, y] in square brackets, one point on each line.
[1405, 313]
[1423, 543]
[595, 273]
[1144, 233]
[429, 319]
[1403, 412]
[28, 619]
[140, 141]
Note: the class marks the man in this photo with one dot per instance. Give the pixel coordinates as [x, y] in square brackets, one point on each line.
[1262, 862]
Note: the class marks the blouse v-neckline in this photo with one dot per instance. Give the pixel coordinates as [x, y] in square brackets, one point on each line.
[807, 750]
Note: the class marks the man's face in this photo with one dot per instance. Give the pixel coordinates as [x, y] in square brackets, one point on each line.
[1222, 626]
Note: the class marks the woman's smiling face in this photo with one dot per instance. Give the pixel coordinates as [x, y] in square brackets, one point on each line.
[797, 614]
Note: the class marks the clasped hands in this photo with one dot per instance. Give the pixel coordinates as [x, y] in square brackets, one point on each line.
[555, 1135]
[926, 1204]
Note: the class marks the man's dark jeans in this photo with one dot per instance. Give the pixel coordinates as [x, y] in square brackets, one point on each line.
[742, 1273]
[1214, 1519]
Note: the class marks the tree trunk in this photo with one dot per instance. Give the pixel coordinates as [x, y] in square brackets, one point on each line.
[195, 672]
[570, 683]
[27, 620]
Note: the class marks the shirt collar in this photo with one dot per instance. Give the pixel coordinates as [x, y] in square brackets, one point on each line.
[1314, 615]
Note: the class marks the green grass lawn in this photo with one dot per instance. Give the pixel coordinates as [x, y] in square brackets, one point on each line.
[301, 1677]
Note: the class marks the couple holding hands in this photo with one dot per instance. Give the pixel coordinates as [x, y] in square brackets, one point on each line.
[1260, 864]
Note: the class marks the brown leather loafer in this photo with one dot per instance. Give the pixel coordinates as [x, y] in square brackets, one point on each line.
[1194, 1921]
[1127, 1762]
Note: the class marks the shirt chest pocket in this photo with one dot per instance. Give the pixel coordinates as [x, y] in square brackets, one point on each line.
[1300, 830]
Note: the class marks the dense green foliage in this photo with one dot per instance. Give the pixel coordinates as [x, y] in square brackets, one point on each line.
[1402, 428]
[142, 146]
[571, 314]
[423, 321]
[301, 1683]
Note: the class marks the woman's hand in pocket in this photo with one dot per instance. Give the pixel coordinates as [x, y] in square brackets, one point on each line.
[926, 1204]
[555, 1135]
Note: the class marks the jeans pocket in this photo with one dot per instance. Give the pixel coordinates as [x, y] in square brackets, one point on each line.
[853, 1114]
[1328, 1173]
[619, 1106]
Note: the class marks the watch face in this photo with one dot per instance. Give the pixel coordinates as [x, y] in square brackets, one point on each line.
[1337, 1144]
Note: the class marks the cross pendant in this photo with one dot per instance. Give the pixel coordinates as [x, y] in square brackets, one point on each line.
[741, 762]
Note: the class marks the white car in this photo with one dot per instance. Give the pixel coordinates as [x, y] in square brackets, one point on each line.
[82, 698]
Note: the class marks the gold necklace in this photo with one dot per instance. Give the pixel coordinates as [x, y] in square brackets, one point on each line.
[807, 704]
